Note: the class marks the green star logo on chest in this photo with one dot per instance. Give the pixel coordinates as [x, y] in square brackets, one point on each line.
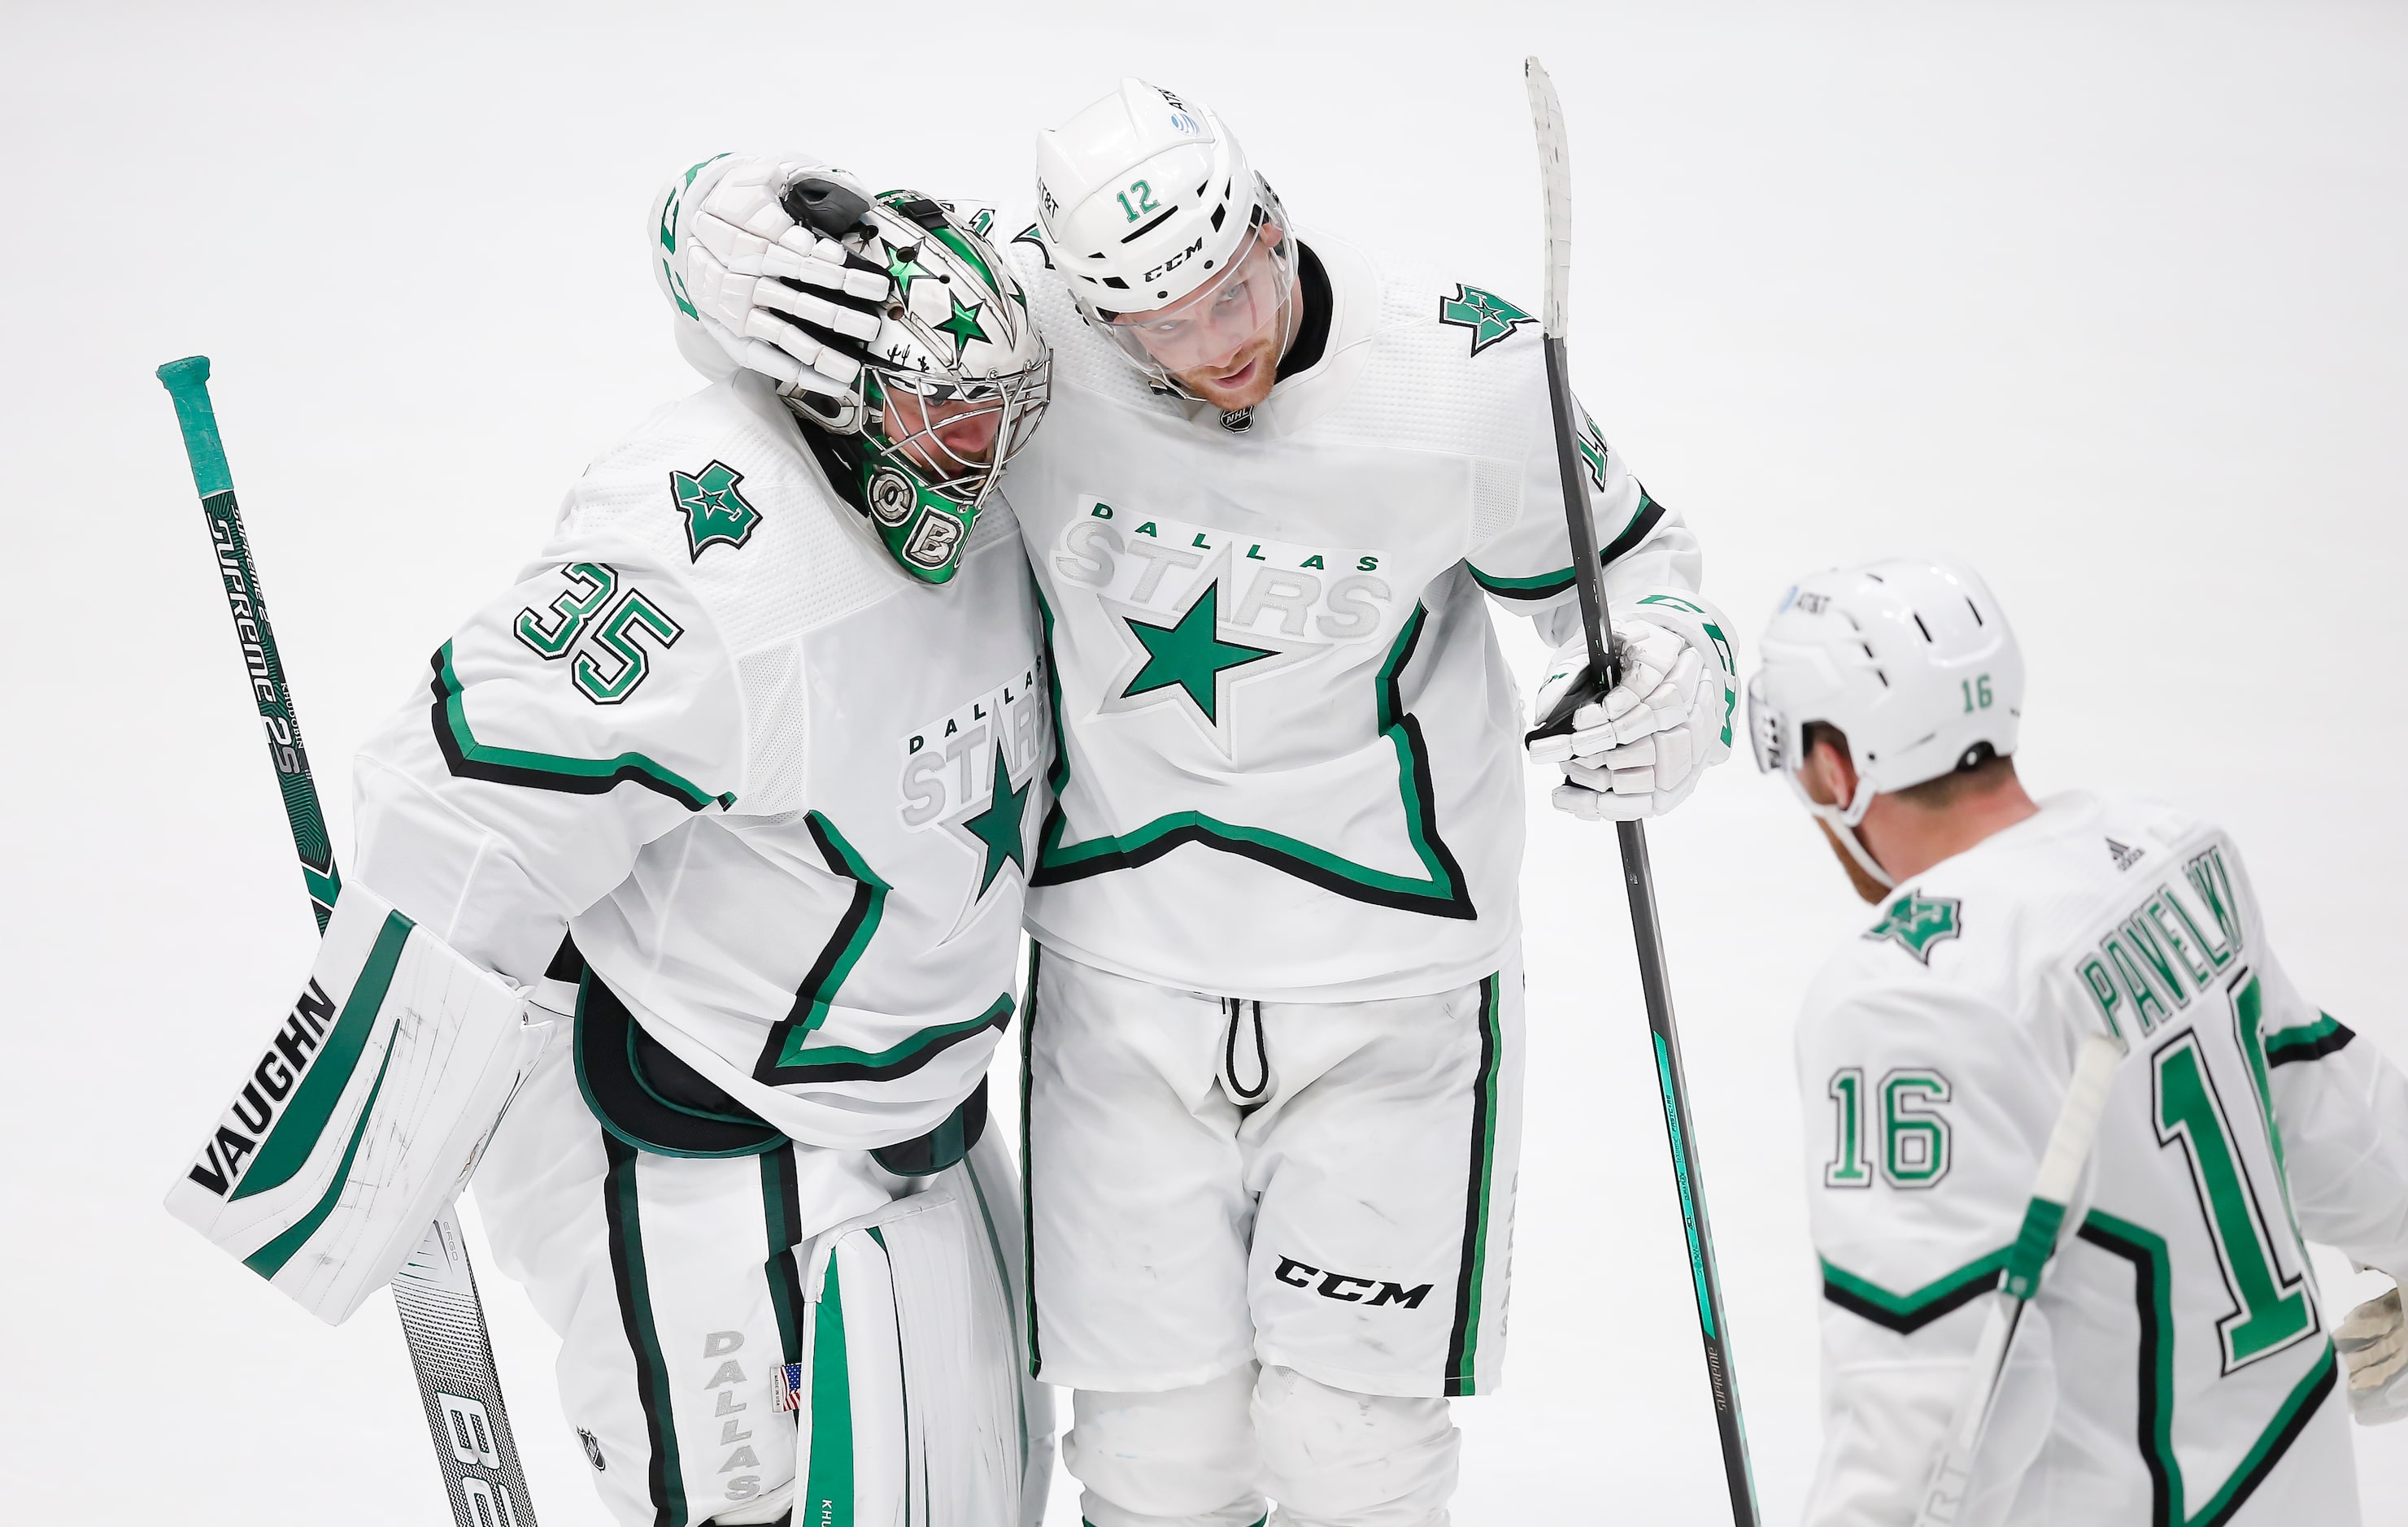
[714, 511]
[1190, 656]
[1002, 828]
[1489, 317]
[1918, 923]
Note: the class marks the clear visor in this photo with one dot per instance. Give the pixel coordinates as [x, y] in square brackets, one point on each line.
[1214, 328]
[960, 434]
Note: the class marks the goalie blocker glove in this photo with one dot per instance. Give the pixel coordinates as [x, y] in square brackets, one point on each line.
[366, 1112]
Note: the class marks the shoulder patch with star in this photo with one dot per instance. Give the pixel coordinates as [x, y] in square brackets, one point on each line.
[714, 511]
[1490, 317]
[1918, 923]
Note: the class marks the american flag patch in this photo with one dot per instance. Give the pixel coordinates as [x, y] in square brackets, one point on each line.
[787, 1377]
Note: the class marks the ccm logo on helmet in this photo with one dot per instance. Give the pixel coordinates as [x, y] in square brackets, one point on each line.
[1335, 1286]
[1176, 261]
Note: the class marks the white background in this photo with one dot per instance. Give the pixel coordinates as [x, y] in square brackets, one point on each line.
[2104, 298]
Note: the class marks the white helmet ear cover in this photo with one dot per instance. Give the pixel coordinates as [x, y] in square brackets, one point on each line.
[1780, 743]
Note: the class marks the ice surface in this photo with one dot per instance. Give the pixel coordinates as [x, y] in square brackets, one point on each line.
[2105, 299]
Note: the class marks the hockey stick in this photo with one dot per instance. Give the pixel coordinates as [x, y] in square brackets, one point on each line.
[436, 1293]
[1555, 170]
[2053, 1189]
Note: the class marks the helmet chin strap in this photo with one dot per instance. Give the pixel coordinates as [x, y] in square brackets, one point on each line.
[1841, 823]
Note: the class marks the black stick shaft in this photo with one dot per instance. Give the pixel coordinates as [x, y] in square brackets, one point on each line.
[1654, 978]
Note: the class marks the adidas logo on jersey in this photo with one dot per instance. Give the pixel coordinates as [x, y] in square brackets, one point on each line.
[2125, 855]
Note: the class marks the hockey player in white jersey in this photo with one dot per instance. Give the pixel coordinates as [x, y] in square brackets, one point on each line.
[1274, 1048]
[2174, 1367]
[761, 731]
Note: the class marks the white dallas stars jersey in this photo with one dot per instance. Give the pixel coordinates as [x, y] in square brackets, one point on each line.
[2176, 1355]
[1291, 761]
[779, 792]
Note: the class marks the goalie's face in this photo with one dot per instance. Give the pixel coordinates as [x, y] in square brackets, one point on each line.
[933, 448]
[1223, 343]
[946, 437]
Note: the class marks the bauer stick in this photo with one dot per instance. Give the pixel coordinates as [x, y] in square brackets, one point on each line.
[1554, 175]
[2053, 1189]
[434, 1292]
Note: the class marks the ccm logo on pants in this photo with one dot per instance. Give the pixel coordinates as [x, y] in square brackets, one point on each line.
[1333, 1285]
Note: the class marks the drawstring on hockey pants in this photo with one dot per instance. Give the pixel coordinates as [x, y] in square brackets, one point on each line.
[1233, 1063]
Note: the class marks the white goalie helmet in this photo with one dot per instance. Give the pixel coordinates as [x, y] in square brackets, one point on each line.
[1910, 657]
[1147, 203]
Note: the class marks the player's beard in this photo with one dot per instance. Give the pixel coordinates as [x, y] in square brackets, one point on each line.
[1872, 891]
[1246, 378]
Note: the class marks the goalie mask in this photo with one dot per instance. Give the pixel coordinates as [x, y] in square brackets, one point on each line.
[949, 390]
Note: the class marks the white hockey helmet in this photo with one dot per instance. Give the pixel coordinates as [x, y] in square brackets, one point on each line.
[1910, 657]
[1146, 202]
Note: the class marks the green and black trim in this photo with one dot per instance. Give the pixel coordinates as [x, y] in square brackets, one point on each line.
[1028, 1178]
[1548, 585]
[1463, 1339]
[782, 1217]
[2153, 1302]
[825, 1498]
[645, 1097]
[664, 1477]
[1439, 893]
[468, 759]
[1906, 1313]
[2326, 1035]
[289, 1145]
[838, 1062]
[838, 956]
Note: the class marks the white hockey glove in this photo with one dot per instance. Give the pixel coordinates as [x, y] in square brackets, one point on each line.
[2373, 1341]
[1638, 749]
[777, 297]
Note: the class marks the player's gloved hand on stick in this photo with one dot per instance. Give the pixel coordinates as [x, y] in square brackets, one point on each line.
[1641, 749]
[778, 297]
[2373, 1341]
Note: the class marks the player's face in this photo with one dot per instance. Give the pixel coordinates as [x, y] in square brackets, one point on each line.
[944, 437]
[1224, 343]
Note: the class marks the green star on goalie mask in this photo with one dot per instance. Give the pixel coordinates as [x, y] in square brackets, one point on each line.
[951, 389]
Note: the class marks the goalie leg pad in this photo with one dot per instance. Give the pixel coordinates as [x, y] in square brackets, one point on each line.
[676, 1286]
[910, 1385]
[365, 1112]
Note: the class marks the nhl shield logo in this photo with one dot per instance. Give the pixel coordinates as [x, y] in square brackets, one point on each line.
[1918, 923]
